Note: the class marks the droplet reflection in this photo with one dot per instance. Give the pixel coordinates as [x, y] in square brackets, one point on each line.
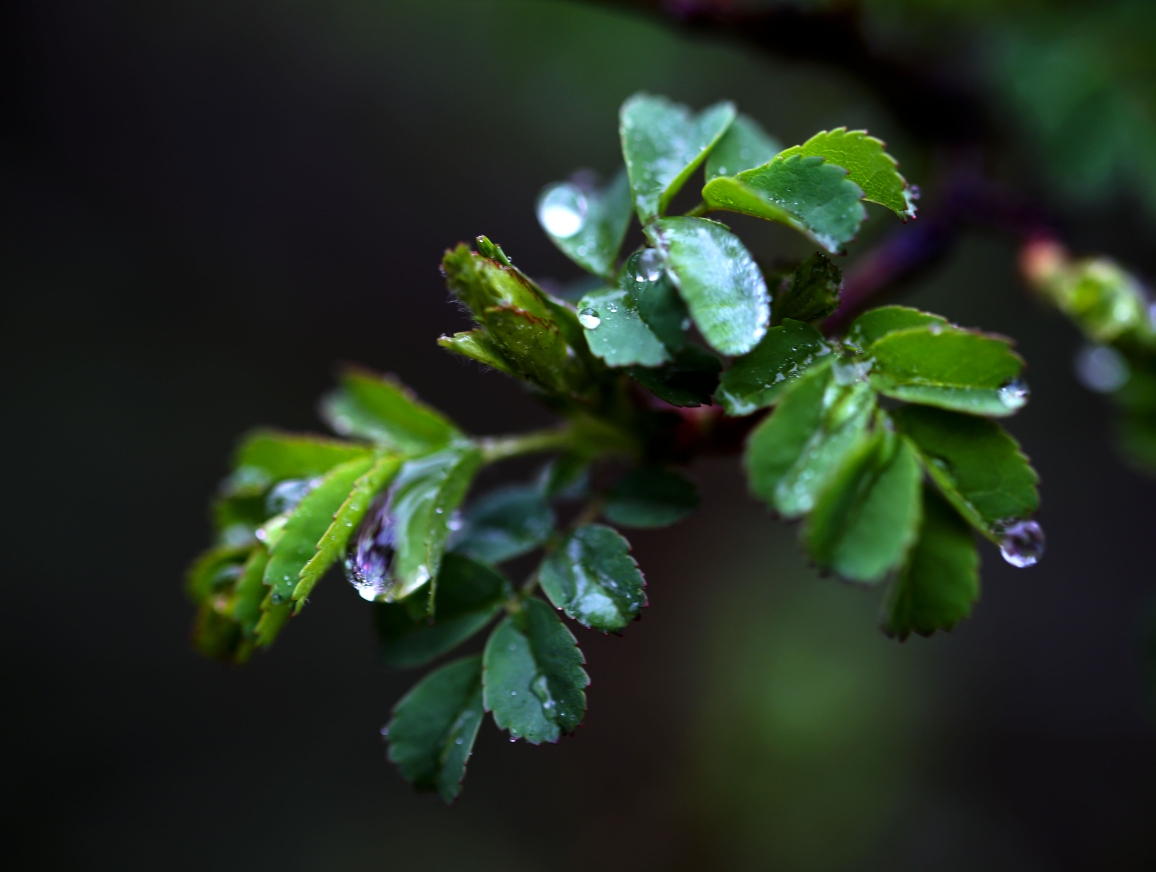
[562, 210]
[1022, 543]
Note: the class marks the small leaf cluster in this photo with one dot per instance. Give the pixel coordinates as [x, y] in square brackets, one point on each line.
[881, 441]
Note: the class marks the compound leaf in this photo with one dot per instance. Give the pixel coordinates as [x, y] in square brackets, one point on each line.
[719, 280]
[432, 732]
[468, 596]
[867, 163]
[650, 496]
[757, 379]
[532, 675]
[976, 464]
[804, 192]
[950, 368]
[382, 410]
[940, 582]
[743, 146]
[588, 225]
[663, 143]
[594, 580]
[505, 523]
[615, 331]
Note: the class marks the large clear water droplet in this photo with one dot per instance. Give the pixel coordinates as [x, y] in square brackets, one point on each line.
[589, 318]
[1022, 543]
[1101, 369]
[562, 210]
[286, 495]
[1015, 394]
[648, 265]
[370, 554]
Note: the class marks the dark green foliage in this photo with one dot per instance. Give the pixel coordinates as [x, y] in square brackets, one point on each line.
[882, 489]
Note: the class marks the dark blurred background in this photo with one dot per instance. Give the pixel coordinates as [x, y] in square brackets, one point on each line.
[204, 208]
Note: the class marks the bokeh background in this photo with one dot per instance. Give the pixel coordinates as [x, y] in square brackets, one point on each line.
[204, 208]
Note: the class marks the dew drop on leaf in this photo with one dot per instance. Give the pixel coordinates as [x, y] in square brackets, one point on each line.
[562, 210]
[1101, 369]
[1014, 394]
[367, 562]
[648, 266]
[589, 318]
[1022, 543]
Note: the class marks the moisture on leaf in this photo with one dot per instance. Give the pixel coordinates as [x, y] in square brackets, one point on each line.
[874, 324]
[804, 192]
[759, 378]
[586, 223]
[381, 409]
[615, 331]
[719, 280]
[867, 163]
[656, 297]
[533, 680]
[743, 146]
[594, 580]
[663, 143]
[813, 292]
[505, 523]
[468, 596]
[433, 727]
[940, 581]
[650, 496]
[688, 381]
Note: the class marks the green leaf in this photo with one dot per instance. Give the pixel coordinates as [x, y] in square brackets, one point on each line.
[215, 635]
[269, 456]
[272, 621]
[663, 143]
[660, 306]
[975, 463]
[215, 570]
[813, 293]
[689, 381]
[332, 545]
[306, 526]
[251, 592]
[718, 279]
[950, 368]
[796, 451]
[616, 333]
[505, 523]
[874, 324]
[743, 146]
[432, 732]
[867, 163]
[593, 579]
[588, 225]
[758, 379]
[805, 193]
[422, 500]
[532, 675]
[867, 518]
[940, 582]
[534, 347]
[565, 477]
[381, 409]
[650, 496]
[476, 345]
[468, 595]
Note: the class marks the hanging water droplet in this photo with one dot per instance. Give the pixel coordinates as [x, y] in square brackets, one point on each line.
[648, 266]
[589, 318]
[1014, 394]
[562, 210]
[1101, 369]
[285, 495]
[1022, 543]
[367, 562]
[454, 522]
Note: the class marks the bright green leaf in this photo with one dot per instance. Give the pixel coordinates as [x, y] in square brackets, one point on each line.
[805, 193]
[718, 279]
[950, 368]
[273, 619]
[813, 293]
[505, 523]
[758, 379]
[975, 463]
[306, 526]
[866, 519]
[616, 333]
[663, 143]
[743, 146]
[650, 496]
[381, 409]
[268, 456]
[432, 732]
[689, 381]
[468, 595]
[476, 345]
[593, 579]
[940, 583]
[251, 592]
[874, 324]
[588, 225]
[867, 163]
[215, 570]
[796, 451]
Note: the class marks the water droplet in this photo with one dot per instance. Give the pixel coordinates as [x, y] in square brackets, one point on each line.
[935, 328]
[541, 688]
[589, 318]
[457, 741]
[385, 731]
[648, 266]
[367, 562]
[913, 192]
[848, 371]
[1022, 543]
[1014, 394]
[562, 210]
[454, 522]
[286, 495]
[1101, 369]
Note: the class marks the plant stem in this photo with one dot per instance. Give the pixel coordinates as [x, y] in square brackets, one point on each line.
[495, 448]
